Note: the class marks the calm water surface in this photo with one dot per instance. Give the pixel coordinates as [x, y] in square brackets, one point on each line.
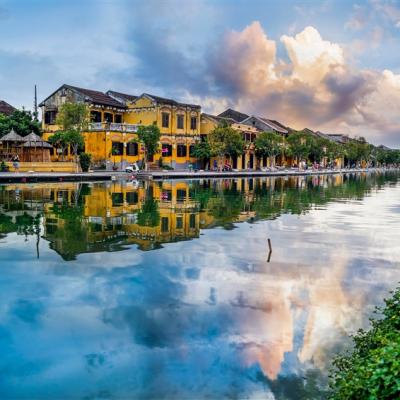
[168, 290]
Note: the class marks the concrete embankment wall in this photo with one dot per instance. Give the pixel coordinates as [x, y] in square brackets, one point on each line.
[44, 167]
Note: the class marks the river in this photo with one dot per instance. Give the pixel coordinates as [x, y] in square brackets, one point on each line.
[169, 290]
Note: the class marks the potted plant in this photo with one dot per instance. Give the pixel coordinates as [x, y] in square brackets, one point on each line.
[84, 160]
[4, 167]
[114, 152]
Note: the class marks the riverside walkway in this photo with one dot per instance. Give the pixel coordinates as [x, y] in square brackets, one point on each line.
[163, 175]
[31, 177]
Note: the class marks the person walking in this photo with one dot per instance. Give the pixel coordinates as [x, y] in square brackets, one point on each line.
[15, 161]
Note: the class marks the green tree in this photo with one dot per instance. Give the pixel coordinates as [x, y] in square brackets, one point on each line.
[299, 145]
[358, 150]
[73, 116]
[73, 119]
[225, 141]
[202, 150]
[392, 157]
[21, 121]
[149, 214]
[75, 140]
[318, 148]
[269, 144]
[59, 139]
[149, 136]
[371, 370]
[334, 150]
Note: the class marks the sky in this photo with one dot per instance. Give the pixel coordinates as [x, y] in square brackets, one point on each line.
[329, 65]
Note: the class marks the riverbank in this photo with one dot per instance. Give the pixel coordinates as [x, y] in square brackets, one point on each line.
[26, 177]
[161, 175]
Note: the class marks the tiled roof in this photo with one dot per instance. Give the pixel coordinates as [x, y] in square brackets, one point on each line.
[274, 125]
[218, 119]
[93, 96]
[233, 114]
[97, 97]
[383, 147]
[164, 100]
[274, 121]
[121, 96]
[337, 137]
[6, 108]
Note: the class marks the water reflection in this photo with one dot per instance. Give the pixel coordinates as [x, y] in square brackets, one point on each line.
[203, 316]
[79, 218]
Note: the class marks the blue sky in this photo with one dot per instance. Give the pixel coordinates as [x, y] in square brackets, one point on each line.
[329, 65]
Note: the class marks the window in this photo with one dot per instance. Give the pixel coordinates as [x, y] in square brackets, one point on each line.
[117, 199]
[193, 123]
[191, 150]
[181, 195]
[179, 222]
[96, 227]
[181, 150]
[179, 121]
[192, 221]
[118, 118]
[117, 149]
[132, 149]
[95, 116]
[132, 197]
[164, 224]
[50, 117]
[165, 119]
[166, 150]
[108, 117]
[166, 195]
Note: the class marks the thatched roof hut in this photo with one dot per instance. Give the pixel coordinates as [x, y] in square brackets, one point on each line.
[11, 145]
[35, 149]
[12, 136]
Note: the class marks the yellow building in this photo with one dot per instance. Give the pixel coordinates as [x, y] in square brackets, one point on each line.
[115, 118]
[249, 131]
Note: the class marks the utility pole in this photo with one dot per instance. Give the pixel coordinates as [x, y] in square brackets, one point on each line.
[35, 112]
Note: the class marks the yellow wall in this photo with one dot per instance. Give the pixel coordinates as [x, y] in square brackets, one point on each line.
[44, 167]
[207, 125]
[54, 127]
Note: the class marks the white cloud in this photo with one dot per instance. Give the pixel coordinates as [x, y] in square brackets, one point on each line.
[311, 56]
[317, 88]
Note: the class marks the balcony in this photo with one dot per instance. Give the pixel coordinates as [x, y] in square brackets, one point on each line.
[113, 126]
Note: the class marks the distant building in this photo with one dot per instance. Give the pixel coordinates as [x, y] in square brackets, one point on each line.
[233, 114]
[250, 127]
[6, 108]
[265, 125]
[339, 138]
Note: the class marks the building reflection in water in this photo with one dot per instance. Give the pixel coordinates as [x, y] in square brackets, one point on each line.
[218, 304]
[91, 217]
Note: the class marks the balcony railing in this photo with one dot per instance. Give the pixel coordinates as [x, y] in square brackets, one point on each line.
[113, 126]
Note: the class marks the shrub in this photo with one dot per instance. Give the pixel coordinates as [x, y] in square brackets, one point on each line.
[84, 160]
[372, 369]
[4, 167]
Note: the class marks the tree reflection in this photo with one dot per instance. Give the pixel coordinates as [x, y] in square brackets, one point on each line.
[79, 218]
